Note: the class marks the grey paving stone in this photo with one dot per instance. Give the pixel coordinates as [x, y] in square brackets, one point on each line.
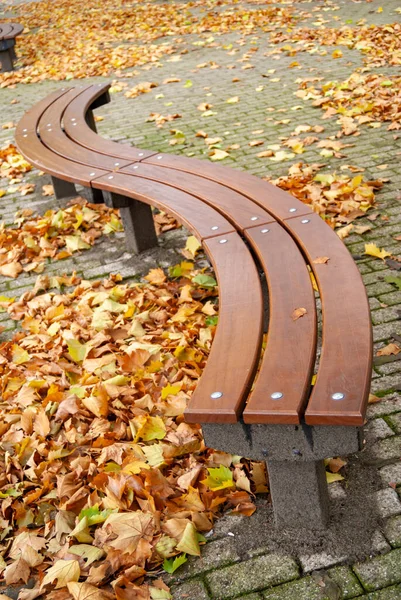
[391, 474]
[252, 575]
[190, 590]
[377, 430]
[388, 503]
[321, 560]
[395, 422]
[345, 579]
[390, 593]
[385, 450]
[386, 406]
[214, 555]
[304, 589]
[380, 572]
[392, 531]
[379, 543]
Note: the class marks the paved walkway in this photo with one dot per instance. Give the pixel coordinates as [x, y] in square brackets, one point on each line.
[360, 555]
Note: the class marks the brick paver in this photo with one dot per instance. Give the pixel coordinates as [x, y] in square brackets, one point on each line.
[243, 564]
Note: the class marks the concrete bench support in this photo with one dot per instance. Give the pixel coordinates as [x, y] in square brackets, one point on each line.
[7, 55]
[62, 188]
[137, 218]
[299, 493]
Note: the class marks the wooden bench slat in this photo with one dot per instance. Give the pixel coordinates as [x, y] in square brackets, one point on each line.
[41, 157]
[197, 216]
[87, 138]
[5, 31]
[29, 121]
[346, 359]
[53, 136]
[234, 355]
[279, 203]
[289, 356]
[236, 208]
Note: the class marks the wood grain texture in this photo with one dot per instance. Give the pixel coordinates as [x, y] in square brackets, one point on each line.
[238, 209]
[266, 195]
[8, 31]
[30, 120]
[289, 356]
[346, 359]
[54, 137]
[197, 216]
[83, 135]
[235, 350]
[32, 148]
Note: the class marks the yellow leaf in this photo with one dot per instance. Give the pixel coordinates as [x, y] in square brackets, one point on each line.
[373, 250]
[19, 355]
[218, 154]
[170, 390]
[64, 571]
[189, 541]
[337, 54]
[192, 245]
[76, 350]
[233, 100]
[148, 428]
[331, 477]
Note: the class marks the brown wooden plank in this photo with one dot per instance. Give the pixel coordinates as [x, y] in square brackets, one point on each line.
[238, 209]
[289, 356]
[30, 119]
[346, 358]
[41, 157]
[53, 136]
[197, 216]
[280, 204]
[5, 31]
[78, 130]
[17, 29]
[235, 350]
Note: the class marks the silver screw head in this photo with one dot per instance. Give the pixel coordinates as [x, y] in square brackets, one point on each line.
[222, 241]
[254, 218]
[140, 154]
[74, 119]
[216, 395]
[305, 221]
[159, 157]
[111, 177]
[264, 230]
[135, 167]
[293, 210]
[116, 164]
[214, 228]
[277, 395]
[338, 396]
[92, 174]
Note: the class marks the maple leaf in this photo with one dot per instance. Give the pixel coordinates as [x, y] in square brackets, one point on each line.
[298, 313]
[219, 478]
[373, 250]
[64, 571]
[156, 276]
[130, 528]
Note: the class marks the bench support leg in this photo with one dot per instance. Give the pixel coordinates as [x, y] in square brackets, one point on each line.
[95, 196]
[137, 218]
[299, 493]
[6, 61]
[63, 189]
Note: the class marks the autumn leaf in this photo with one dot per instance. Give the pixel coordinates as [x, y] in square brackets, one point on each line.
[373, 250]
[189, 541]
[389, 350]
[192, 245]
[219, 478]
[156, 276]
[130, 528]
[63, 571]
[321, 260]
[217, 154]
[172, 564]
[298, 313]
[332, 477]
[86, 591]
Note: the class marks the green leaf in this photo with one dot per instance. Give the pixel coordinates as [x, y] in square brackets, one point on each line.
[211, 321]
[158, 594]
[188, 83]
[189, 541]
[88, 552]
[171, 564]
[219, 478]
[204, 281]
[75, 243]
[76, 350]
[395, 280]
[94, 515]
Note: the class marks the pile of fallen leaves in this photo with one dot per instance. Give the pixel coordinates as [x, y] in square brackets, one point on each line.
[62, 41]
[101, 480]
[57, 234]
[337, 198]
[12, 164]
[369, 98]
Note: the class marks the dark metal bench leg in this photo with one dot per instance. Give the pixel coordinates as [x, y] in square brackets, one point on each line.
[95, 196]
[12, 52]
[6, 61]
[63, 189]
[90, 120]
[299, 493]
[137, 218]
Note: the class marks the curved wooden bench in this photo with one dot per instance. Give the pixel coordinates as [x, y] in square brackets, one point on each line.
[8, 33]
[245, 225]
